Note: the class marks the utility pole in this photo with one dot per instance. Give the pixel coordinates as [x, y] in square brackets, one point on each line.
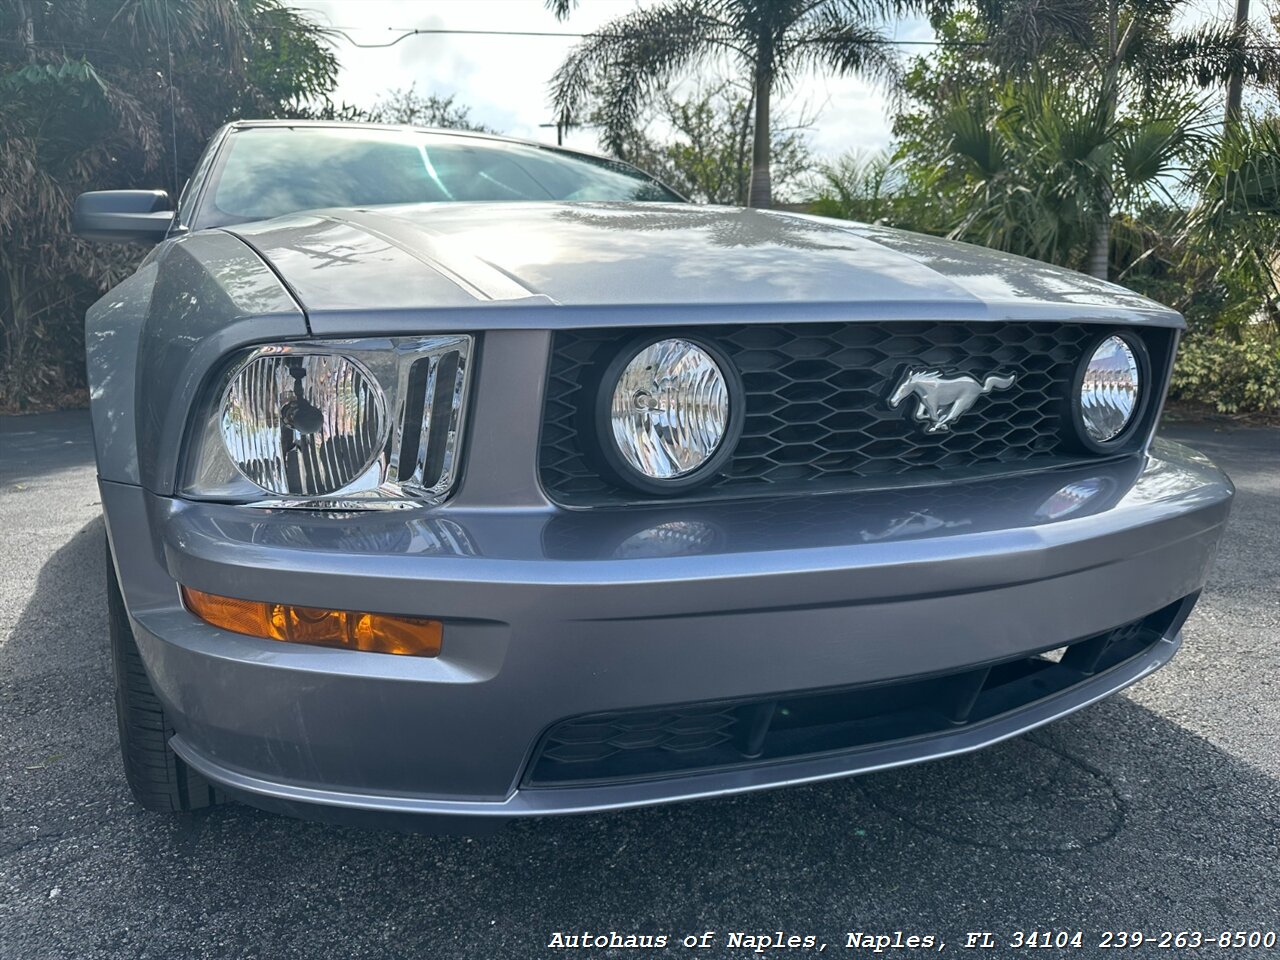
[562, 125]
[1100, 250]
[27, 17]
[1235, 85]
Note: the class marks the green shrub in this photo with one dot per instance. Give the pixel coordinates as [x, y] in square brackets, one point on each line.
[1231, 376]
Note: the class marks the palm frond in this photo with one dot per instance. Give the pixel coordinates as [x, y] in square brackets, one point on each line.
[857, 186]
[974, 140]
[561, 8]
[1241, 180]
[1022, 30]
[1150, 149]
[631, 59]
[828, 39]
[182, 23]
[868, 11]
[1211, 54]
[1235, 224]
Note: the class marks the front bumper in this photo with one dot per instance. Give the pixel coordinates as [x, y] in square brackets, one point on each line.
[553, 614]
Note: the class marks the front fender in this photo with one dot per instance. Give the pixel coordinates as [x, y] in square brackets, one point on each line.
[153, 339]
[112, 327]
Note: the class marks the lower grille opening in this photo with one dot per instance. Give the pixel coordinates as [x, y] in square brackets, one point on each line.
[640, 745]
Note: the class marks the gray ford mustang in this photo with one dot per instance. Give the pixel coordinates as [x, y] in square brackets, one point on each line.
[450, 478]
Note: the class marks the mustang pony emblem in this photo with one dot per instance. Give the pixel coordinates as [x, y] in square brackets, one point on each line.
[943, 400]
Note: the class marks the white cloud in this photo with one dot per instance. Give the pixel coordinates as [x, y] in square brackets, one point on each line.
[504, 79]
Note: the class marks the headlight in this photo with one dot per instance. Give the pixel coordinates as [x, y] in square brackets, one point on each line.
[669, 411]
[305, 425]
[333, 424]
[1109, 391]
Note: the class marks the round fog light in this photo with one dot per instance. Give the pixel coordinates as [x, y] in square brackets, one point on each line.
[666, 416]
[1110, 389]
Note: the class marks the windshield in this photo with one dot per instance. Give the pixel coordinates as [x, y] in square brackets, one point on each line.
[270, 171]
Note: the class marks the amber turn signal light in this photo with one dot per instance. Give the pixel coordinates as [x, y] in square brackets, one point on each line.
[348, 629]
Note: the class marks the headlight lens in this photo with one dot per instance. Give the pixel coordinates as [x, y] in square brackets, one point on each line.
[348, 424]
[303, 425]
[669, 412]
[1109, 390]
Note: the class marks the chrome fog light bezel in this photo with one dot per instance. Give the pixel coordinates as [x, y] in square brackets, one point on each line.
[616, 463]
[1142, 361]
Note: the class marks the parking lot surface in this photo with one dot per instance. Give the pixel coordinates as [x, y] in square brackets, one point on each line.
[1156, 810]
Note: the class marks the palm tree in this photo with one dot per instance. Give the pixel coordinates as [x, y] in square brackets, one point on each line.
[1233, 228]
[858, 186]
[633, 58]
[1119, 43]
[1044, 163]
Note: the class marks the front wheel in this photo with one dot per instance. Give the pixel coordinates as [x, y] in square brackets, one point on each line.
[158, 777]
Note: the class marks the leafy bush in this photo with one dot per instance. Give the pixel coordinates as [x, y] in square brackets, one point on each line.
[1231, 376]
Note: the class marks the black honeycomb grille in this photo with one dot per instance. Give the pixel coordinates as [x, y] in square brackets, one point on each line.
[816, 399]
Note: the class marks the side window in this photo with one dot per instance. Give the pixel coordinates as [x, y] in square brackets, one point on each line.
[194, 185]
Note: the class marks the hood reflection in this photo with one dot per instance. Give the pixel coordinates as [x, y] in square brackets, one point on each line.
[1170, 471]
[719, 226]
[1071, 498]
[913, 524]
[671, 532]
[874, 516]
[355, 532]
[675, 538]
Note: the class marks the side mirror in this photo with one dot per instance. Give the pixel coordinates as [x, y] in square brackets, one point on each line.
[123, 216]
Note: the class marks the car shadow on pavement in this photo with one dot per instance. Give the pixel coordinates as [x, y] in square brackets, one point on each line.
[1113, 817]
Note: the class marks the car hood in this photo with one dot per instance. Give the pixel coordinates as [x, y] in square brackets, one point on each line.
[595, 257]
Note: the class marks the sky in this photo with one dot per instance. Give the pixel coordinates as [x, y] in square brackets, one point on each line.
[504, 79]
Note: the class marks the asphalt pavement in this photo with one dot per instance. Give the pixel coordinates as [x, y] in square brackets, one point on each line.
[1156, 810]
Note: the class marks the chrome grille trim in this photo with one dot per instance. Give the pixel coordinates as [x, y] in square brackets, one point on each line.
[434, 381]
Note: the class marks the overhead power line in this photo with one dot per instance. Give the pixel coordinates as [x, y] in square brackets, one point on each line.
[406, 32]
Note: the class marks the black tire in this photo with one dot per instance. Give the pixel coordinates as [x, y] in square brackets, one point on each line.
[158, 777]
